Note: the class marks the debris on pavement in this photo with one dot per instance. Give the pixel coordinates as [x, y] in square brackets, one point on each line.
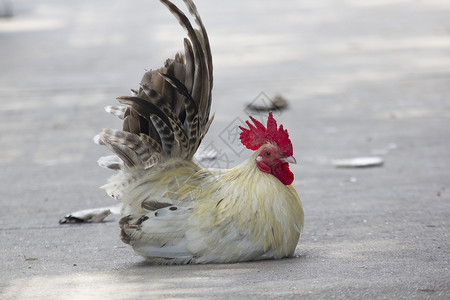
[278, 103]
[29, 258]
[206, 154]
[359, 162]
[94, 215]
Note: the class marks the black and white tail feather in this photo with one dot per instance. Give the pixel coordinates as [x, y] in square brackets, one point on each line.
[167, 117]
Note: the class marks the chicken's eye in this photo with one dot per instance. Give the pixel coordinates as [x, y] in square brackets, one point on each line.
[268, 153]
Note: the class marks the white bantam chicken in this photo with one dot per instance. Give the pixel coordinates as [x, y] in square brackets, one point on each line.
[174, 211]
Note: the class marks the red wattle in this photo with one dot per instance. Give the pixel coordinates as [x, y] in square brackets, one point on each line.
[283, 173]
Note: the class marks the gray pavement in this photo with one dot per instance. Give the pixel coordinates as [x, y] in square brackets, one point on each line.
[363, 78]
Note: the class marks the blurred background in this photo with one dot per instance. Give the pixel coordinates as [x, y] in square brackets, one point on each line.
[63, 60]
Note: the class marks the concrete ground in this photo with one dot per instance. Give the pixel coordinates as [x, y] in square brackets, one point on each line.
[362, 78]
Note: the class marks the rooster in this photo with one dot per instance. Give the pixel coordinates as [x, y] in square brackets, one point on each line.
[173, 210]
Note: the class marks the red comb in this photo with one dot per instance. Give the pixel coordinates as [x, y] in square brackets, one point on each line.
[258, 135]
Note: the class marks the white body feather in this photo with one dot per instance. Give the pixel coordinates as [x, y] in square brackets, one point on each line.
[210, 216]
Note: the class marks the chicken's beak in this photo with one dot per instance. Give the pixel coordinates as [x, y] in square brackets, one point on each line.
[289, 159]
